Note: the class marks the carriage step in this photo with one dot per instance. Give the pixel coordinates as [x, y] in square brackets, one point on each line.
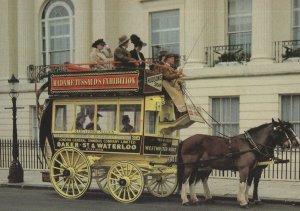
[45, 176]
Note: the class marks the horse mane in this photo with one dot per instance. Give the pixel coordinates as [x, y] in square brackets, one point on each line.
[254, 129]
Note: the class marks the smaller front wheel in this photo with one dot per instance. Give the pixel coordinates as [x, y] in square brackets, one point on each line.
[161, 185]
[125, 181]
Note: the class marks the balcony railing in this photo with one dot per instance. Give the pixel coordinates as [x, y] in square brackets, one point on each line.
[228, 54]
[287, 51]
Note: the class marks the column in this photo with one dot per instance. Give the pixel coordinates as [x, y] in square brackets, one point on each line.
[8, 41]
[26, 41]
[194, 33]
[98, 19]
[4, 42]
[261, 31]
[82, 31]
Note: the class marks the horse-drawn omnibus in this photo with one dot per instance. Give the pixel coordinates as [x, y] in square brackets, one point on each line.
[108, 125]
[111, 126]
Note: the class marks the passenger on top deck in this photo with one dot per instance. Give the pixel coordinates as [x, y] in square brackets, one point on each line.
[100, 53]
[172, 80]
[136, 52]
[162, 56]
[123, 56]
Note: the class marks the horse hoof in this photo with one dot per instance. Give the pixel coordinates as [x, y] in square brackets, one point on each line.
[257, 201]
[246, 206]
[195, 203]
[186, 204]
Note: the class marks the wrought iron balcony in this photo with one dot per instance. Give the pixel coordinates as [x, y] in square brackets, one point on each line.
[287, 51]
[39, 72]
[227, 54]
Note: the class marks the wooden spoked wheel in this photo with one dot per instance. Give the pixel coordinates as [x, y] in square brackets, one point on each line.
[125, 181]
[161, 185]
[70, 172]
[100, 176]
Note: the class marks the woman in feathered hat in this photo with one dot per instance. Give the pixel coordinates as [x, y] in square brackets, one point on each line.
[136, 52]
[100, 53]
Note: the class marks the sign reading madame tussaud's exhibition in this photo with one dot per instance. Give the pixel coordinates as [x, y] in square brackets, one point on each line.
[94, 82]
[99, 142]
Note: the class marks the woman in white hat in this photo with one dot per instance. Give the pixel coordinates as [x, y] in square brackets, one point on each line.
[100, 53]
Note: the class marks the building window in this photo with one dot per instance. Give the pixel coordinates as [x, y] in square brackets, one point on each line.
[57, 32]
[226, 112]
[239, 21]
[165, 32]
[34, 123]
[290, 111]
[296, 21]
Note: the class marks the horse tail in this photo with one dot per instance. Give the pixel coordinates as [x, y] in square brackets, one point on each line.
[180, 167]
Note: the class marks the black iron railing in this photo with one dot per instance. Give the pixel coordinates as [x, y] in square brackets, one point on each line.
[227, 54]
[281, 171]
[287, 51]
[30, 155]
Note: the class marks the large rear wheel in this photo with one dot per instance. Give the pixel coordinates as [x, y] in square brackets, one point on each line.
[125, 181]
[70, 172]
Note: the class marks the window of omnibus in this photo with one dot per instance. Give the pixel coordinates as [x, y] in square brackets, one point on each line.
[130, 118]
[150, 121]
[85, 117]
[63, 117]
[108, 117]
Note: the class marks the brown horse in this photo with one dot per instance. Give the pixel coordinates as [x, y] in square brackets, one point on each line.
[238, 153]
[255, 174]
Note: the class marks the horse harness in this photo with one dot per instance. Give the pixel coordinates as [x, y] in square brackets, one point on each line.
[255, 146]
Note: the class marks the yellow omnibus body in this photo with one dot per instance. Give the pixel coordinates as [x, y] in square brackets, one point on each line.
[107, 126]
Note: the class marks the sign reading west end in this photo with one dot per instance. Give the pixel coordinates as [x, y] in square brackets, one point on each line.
[94, 82]
[153, 83]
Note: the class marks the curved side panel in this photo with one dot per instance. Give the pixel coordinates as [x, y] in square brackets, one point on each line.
[45, 127]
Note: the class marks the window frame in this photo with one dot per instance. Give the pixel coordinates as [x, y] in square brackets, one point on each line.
[95, 103]
[220, 122]
[290, 109]
[163, 46]
[62, 103]
[34, 124]
[46, 38]
[238, 32]
[293, 20]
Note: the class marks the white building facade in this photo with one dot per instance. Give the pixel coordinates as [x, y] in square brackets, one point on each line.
[240, 56]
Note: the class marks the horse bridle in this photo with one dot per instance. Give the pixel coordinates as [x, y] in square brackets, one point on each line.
[288, 138]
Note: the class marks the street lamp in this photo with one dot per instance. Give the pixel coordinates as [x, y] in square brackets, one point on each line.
[16, 173]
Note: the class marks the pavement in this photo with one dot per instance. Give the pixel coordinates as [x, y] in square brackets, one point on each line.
[271, 191]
